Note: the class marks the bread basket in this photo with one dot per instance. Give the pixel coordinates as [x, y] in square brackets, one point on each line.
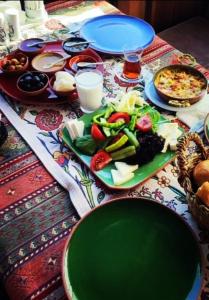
[187, 160]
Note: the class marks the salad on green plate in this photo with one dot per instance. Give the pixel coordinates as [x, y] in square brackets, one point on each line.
[125, 142]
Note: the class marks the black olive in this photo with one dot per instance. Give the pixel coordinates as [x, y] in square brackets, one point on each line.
[27, 78]
[21, 80]
[36, 79]
[27, 87]
[42, 77]
[40, 85]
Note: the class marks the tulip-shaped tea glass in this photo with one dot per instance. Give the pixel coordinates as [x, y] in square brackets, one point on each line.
[132, 65]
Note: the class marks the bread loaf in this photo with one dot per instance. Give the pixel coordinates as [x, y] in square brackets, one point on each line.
[201, 172]
[203, 193]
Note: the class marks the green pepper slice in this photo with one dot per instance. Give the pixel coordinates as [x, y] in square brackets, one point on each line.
[118, 144]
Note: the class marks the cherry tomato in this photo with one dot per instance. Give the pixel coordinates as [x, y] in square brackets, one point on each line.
[144, 124]
[96, 133]
[100, 160]
[119, 115]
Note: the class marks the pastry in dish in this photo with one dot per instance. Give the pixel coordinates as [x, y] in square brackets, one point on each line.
[179, 83]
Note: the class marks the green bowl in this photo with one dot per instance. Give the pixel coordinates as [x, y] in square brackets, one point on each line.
[129, 249]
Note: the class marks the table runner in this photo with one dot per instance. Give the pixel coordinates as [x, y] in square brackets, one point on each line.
[36, 214]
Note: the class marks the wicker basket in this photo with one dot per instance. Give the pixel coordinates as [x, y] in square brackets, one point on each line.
[187, 160]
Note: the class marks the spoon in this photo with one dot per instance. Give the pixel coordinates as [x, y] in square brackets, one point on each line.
[40, 43]
[70, 44]
[48, 66]
[86, 64]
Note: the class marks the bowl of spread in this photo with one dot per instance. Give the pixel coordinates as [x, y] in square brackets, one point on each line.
[46, 62]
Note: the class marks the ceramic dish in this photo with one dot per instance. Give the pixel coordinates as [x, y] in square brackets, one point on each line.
[60, 93]
[31, 51]
[181, 83]
[74, 50]
[41, 61]
[153, 96]
[111, 33]
[142, 173]
[36, 91]
[81, 58]
[132, 248]
[14, 64]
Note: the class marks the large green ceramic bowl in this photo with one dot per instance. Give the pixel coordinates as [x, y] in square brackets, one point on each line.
[132, 249]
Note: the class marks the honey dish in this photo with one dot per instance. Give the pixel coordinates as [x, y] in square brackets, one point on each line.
[81, 58]
[180, 85]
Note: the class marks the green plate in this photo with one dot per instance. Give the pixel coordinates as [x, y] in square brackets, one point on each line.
[132, 249]
[141, 174]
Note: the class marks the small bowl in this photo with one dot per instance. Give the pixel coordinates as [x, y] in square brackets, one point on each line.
[188, 70]
[75, 49]
[59, 93]
[31, 51]
[35, 92]
[43, 59]
[9, 58]
[80, 58]
[131, 249]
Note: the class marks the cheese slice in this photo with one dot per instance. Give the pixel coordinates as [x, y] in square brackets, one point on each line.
[119, 179]
[125, 168]
[75, 128]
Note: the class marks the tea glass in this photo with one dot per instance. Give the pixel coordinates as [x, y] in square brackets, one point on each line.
[89, 84]
[132, 64]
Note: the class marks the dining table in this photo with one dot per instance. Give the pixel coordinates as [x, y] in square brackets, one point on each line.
[45, 189]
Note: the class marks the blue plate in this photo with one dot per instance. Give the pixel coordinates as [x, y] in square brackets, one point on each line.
[112, 33]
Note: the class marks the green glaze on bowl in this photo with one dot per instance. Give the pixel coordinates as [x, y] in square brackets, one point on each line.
[141, 174]
[132, 249]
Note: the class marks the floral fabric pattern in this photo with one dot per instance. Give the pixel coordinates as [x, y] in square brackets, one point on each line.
[48, 120]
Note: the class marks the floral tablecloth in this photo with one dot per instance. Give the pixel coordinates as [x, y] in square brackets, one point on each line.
[36, 212]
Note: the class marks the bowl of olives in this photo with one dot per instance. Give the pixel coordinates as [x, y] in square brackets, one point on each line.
[32, 83]
[14, 63]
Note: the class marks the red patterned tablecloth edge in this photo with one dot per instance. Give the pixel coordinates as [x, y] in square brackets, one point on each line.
[56, 5]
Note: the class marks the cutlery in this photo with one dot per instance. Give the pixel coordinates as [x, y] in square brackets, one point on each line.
[69, 44]
[48, 66]
[40, 43]
[86, 64]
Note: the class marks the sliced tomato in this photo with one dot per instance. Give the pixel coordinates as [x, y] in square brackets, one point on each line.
[144, 124]
[119, 115]
[96, 133]
[100, 160]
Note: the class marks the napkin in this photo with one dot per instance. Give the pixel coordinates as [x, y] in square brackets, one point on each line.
[197, 115]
